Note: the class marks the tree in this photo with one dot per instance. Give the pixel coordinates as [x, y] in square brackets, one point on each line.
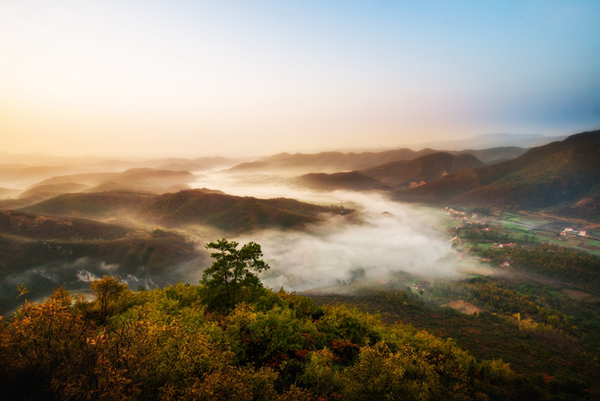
[232, 278]
[107, 291]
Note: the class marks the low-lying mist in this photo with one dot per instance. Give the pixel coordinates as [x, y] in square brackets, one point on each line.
[388, 237]
[371, 245]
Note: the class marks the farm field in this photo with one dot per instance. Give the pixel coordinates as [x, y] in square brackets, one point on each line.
[524, 229]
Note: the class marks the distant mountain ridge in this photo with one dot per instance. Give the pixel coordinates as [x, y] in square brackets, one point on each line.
[326, 161]
[138, 179]
[398, 174]
[484, 141]
[545, 176]
[333, 162]
[340, 161]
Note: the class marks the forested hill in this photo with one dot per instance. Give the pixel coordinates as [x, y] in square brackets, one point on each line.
[557, 173]
[166, 344]
[338, 161]
[352, 181]
[31, 225]
[231, 213]
[422, 169]
[197, 206]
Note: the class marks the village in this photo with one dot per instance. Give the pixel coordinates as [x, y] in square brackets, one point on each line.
[502, 229]
[570, 231]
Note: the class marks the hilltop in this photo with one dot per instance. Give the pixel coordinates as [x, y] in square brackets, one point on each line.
[332, 162]
[21, 176]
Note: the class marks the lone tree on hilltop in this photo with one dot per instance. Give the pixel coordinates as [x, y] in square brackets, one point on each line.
[232, 278]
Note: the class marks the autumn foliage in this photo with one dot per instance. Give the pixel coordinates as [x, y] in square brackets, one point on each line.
[165, 344]
[228, 339]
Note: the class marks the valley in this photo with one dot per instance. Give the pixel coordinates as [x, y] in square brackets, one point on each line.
[299, 200]
[438, 241]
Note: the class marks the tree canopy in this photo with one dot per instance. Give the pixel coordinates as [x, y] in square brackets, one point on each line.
[233, 277]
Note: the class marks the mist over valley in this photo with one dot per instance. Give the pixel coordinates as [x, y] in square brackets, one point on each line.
[317, 230]
[299, 201]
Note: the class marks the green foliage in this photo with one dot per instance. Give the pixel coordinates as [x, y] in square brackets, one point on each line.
[109, 293]
[232, 278]
[165, 344]
[230, 338]
[554, 261]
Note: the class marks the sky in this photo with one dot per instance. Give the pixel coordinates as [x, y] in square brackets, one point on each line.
[197, 78]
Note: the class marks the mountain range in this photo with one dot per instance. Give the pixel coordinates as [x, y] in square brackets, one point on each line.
[333, 162]
[557, 173]
[493, 140]
[385, 177]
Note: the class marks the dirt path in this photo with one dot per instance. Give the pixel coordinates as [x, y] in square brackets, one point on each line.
[465, 307]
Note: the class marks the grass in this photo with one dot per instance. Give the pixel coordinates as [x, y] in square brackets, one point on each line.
[485, 335]
[510, 217]
[512, 226]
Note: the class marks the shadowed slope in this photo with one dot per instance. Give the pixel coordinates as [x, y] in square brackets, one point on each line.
[545, 176]
[94, 205]
[232, 213]
[31, 225]
[352, 181]
[423, 169]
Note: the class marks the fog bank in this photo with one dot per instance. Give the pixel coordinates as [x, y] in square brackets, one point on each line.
[390, 237]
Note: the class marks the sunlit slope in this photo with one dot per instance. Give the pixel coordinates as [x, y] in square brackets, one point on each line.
[423, 169]
[542, 177]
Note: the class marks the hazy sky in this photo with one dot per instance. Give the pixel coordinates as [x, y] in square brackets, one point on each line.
[258, 77]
